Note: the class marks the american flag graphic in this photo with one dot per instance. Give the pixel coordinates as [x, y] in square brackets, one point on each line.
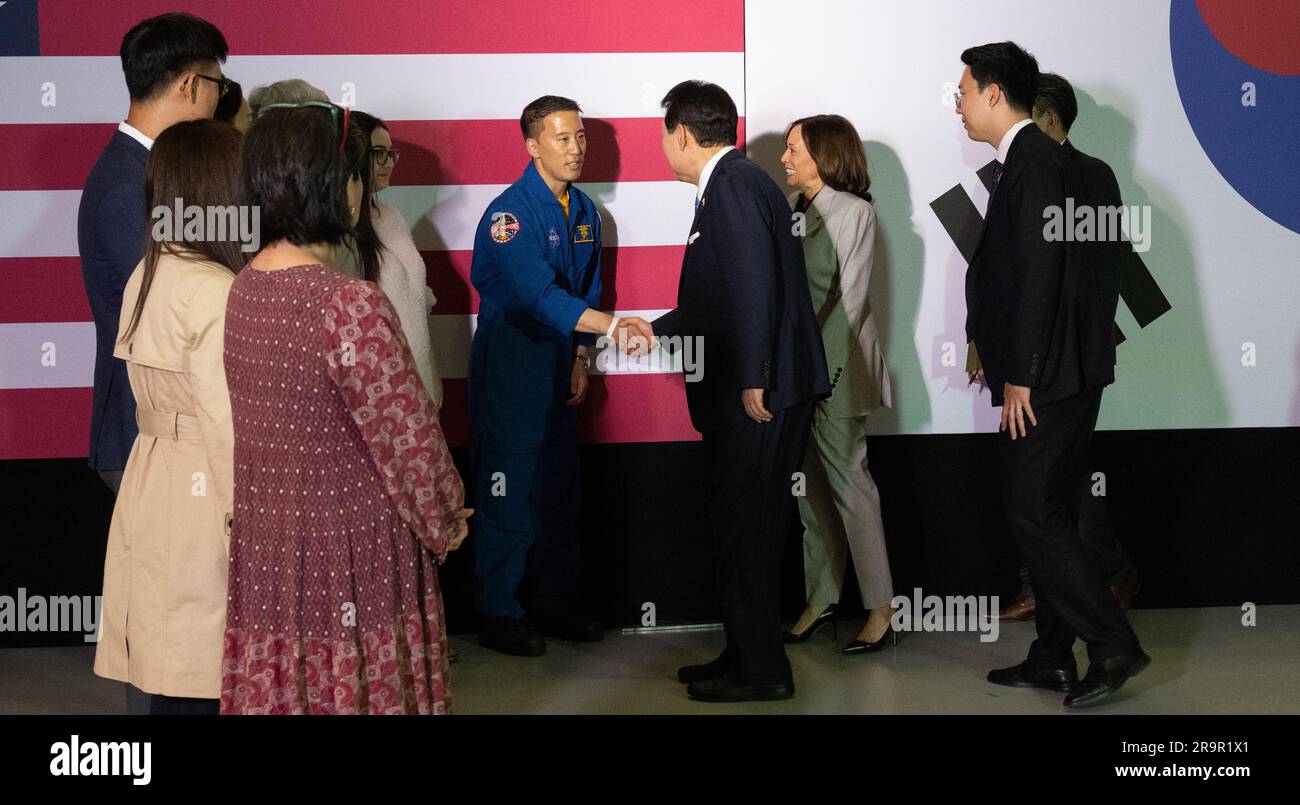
[450, 77]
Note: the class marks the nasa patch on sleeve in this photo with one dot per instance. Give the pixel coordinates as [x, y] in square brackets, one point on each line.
[504, 226]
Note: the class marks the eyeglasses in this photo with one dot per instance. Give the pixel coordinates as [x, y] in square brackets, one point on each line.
[223, 83]
[956, 99]
[333, 110]
[382, 156]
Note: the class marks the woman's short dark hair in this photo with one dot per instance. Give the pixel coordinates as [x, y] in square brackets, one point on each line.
[706, 110]
[158, 50]
[1010, 67]
[1055, 95]
[835, 147]
[194, 163]
[297, 177]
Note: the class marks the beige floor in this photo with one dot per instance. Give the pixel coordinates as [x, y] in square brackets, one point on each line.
[1204, 661]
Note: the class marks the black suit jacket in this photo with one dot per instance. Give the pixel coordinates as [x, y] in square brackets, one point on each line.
[744, 290]
[111, 229]
[1035, 306]
[1116, 258]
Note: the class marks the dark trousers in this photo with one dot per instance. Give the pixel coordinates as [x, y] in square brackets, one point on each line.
[752, 504]
[1040, 488]
[525, 542]
[1098, 534]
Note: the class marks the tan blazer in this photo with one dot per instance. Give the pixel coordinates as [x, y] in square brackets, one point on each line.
[839, 237]
[164, 611]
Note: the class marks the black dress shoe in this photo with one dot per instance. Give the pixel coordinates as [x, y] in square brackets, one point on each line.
[1104, 678]
[1025, 675]
[827, 617]
[722, 689]
[511, 636]
[699, 673]
[564, 625]
[863, 647]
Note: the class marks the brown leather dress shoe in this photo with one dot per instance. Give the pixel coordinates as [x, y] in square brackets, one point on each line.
[1021, 608]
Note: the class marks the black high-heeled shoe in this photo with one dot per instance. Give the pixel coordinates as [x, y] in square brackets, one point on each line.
[827, 616]
[863, 647]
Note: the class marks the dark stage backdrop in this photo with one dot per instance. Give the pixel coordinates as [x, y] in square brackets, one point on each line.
[1209, 516]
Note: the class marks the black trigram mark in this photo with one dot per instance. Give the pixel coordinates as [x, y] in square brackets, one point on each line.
[964, 224]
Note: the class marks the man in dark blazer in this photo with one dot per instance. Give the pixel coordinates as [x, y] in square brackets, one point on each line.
[744, 293]
[1037, 314]
[172, 65]
[1055, 110]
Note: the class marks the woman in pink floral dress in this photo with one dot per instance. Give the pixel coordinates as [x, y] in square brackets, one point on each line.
[346, 498]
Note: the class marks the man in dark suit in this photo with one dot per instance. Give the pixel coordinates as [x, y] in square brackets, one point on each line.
[1037, 314]
[744, 294]
[173, 72]
[172, 65]
[1055, 109]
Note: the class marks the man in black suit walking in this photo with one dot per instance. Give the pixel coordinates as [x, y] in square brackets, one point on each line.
[744, 294]
[1037, 314]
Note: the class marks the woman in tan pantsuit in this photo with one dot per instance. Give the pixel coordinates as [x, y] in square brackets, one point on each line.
[825, 161]
[164, 611]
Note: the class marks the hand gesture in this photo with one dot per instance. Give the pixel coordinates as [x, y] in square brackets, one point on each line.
[635, 336]
[459, 529]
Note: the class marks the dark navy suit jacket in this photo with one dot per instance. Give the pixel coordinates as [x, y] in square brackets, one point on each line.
[744, 290]
[111, 229]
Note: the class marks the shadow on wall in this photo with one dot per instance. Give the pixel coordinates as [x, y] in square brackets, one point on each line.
[603, 151]
[896, 278]
[1169, 366]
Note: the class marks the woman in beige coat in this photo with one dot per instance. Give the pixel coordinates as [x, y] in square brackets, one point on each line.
[164, 609]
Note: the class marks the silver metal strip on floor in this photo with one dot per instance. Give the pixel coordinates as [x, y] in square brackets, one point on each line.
[684, 627]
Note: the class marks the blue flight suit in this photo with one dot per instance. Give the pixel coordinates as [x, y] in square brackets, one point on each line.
[535, 273]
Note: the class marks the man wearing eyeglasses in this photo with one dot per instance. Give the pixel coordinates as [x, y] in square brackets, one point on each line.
[1037, 316]
[172, 65]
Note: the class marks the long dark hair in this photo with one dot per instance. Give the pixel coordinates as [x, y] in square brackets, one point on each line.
[196, 163]
[837, 150]
[367, 240]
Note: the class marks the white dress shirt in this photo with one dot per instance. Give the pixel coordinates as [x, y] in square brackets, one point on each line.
[708, 171]
[135, 134]
[1005, 146]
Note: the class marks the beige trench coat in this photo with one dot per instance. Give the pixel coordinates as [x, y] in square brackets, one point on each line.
[164, 611]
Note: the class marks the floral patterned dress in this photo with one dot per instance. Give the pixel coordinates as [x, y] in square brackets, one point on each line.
[345, 495]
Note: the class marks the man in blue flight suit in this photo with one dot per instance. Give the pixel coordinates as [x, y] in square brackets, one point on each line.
[536, 268]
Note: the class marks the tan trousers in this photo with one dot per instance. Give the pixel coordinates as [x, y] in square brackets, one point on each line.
[841, 515]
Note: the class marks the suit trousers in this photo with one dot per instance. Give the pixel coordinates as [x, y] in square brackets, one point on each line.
[841, 516]
[752, 503]
[1040, 487]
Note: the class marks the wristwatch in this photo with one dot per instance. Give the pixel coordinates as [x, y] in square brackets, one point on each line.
[586, 360]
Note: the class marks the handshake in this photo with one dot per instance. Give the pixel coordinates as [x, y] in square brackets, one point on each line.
[632, 335]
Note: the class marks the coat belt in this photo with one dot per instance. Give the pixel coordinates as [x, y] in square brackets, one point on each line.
[168, 424]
